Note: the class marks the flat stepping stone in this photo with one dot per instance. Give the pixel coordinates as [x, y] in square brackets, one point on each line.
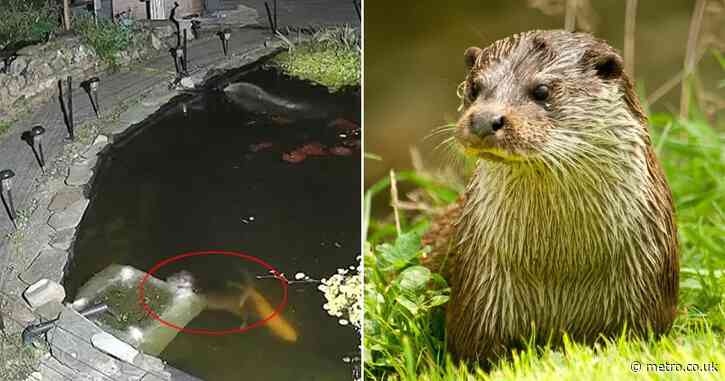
[98, 145]
[136, 114]
[48, 264]
[63, 239]
[80, 173]
[114, 347]
[70, 217]
[42, 292]
[64, 199]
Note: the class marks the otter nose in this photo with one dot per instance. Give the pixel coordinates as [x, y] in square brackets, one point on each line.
[486, 123]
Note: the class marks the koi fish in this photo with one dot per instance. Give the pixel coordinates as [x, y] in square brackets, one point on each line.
[278, 325]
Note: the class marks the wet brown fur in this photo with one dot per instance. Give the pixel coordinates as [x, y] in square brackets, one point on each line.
[567, 224]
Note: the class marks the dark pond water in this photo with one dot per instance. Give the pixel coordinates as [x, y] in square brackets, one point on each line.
[216, 178]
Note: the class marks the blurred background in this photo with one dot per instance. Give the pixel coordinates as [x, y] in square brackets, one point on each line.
[413, 60]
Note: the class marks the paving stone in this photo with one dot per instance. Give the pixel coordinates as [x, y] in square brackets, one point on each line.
[157, 99]
[70, 217]
[98, 145]
[18, 313]
[86, 362]
[64, 198]
[53, 370]
[42, 292]
[63, 239]
[79, 174]
[71, 345]
[135, 114]
[49, 311]
[48, 264]
[114, 347]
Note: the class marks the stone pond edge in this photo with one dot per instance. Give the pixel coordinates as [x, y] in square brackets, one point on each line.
[44, 244]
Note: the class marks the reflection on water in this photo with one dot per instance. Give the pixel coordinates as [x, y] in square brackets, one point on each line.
[216, 178]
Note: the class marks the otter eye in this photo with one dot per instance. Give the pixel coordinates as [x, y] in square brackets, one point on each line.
[540, 93]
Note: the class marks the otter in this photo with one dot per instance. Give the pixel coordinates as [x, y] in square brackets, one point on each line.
[234, 300]
[567, 224]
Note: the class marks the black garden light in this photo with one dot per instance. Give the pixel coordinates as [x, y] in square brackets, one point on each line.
[225, 35]
[69, 108]
[36, 133]
[272, 16]
[6, 184]
[179, 57]
[92, 88]
[186, 54]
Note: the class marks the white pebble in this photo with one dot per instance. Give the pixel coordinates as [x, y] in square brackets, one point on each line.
[343, 322]
[299, 276]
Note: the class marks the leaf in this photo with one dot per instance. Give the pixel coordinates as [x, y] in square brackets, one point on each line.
[400, 254]
[414, 278]
[439, 300]
[408, 304]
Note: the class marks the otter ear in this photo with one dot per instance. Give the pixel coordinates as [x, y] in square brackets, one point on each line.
[606, 62]
[471, 56]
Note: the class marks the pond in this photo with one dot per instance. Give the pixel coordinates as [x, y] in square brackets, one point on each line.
[278, 179]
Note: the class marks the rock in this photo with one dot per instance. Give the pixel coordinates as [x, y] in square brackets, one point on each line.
[49, 311]
[114, 347]
[18, 315]
[80, 173]
[18, 66]
[152, 377]
[53, 370]
[64, 199]
[70, 217]
[42, 292]
[63, 239]
[48, 264]
[98, 145]
[135, 114]
[30, 50]
[187, 83]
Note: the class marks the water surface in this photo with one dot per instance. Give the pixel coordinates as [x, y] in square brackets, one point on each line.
[214, 178]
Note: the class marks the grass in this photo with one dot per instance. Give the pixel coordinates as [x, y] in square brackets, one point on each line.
[331, 58]
[404, 321]
[17, 361]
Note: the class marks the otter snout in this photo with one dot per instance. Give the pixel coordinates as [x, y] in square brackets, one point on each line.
[485, 123]
[479, 126]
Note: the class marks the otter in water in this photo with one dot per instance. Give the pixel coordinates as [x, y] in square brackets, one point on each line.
[567, 225]
[236, 299]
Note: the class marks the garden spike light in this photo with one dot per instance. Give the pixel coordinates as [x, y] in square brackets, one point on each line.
[71, 124]
[6, 184]
[36, 133]
[93, 84]
[186, 55]
[179, 52]
[226, 35]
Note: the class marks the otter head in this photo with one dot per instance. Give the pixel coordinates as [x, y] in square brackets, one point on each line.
[183, 280]
[542, 93]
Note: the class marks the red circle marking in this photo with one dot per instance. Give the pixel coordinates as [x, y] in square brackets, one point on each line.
[200, 331]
